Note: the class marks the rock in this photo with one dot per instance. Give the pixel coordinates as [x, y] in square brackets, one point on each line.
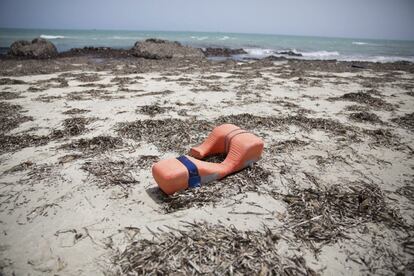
[37, 48]
[223, 52]
[289, 53]
[98, 52]
[163, 49]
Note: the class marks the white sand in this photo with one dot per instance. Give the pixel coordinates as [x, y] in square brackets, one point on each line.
[40, 217]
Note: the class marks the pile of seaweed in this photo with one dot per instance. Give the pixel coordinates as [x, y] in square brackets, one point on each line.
[365, 116]
[406, 121]
[169, 134]
[151, 110]
[205, 249]
[10, 117]
[367, 99]
[325, 215]
[72, 127]
[174, 134]
[251, 179]
[95, 145]
[110, 173]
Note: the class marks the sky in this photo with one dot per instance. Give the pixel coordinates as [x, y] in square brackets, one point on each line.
[387, 19]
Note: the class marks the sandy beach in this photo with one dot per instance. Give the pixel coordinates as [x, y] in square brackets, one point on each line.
[332, 195]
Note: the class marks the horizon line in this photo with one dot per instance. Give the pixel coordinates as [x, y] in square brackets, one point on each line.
[182, 31]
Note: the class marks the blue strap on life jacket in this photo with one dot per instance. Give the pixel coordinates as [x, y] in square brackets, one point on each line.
[194, 179]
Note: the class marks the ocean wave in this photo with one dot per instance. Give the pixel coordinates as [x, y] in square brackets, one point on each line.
[52, 36]
[258, 52]
[200, 37]
[124, 37]
[224, 37]
[320, 54]
[359, 43]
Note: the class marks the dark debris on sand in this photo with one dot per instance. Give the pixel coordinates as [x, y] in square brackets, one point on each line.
[74, 111]
[407, 191]
[92, 94]
[111, 173]
[168, 135]
[8, 81]
[4, 95]
[367, 99]
[20, 167]
[174, 134]
[248, 180]
[152, 110]
[325, 215]
[382, 137]
[10, 143]
[365, 117]
[81, 77]
[10, 117]
[286, 146]
[406, 121]
[98, 144]
[72, 127]
[205, 249]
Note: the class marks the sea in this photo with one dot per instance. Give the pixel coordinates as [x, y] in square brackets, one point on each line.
[256, 45]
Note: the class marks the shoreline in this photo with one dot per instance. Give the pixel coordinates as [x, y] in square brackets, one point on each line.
[104, 58]
[119, 52]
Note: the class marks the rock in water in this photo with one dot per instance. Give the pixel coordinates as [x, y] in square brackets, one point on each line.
[290, 53]
[223, 52]
[162, 49]
[37, 48]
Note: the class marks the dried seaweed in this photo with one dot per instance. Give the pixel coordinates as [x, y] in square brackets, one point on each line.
[81, 77]
[249, 121]
[47, 98]
[72, 127]
[92, 94]
[97, 144]
[382, 137]
[53, 83]
[8, 81]
[10, 117]
[20, 167]
[4, 95]
[10, 143]
[406, 121]
[364, 116]
[407, 191]
[355, 107]
[175, 135]
[112, 173]
[146, 161]
[152, 110]
[326, 215]
[75, 111]
[168, 135]
[250, 179]
[367, 99]
[286, 146]
[204, 249]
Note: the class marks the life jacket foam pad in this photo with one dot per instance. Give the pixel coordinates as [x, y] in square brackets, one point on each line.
[242, 147]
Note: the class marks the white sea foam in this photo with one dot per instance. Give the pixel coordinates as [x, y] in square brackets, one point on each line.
[224, 37]
[200, 37]
[320, 54]
[359, 43]
[258, 52]
[125, 37]
[52, 36]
